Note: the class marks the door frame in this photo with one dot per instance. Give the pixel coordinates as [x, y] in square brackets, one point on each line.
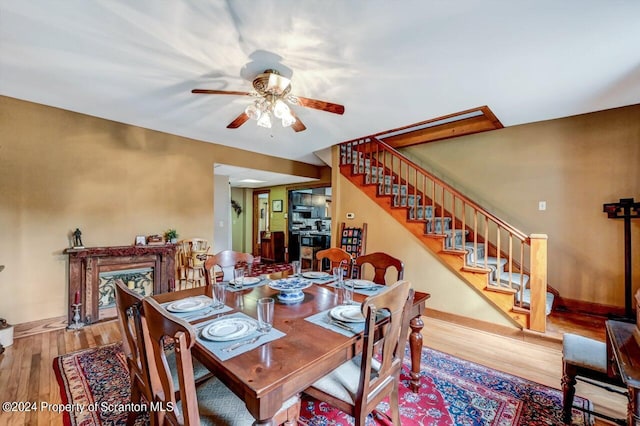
[255, 235]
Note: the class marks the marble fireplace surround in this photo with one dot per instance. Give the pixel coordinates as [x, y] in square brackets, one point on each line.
[86, 264]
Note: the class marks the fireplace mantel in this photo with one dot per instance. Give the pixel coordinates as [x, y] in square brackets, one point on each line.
[85, 265]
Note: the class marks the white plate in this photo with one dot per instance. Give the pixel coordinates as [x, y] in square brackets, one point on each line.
[187, 305]
[229, 329]
[361, 283]
[247, 280]
[348, 313]
[313, 274]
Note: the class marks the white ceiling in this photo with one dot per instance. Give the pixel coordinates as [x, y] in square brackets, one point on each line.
[243, 177]
[389, 63]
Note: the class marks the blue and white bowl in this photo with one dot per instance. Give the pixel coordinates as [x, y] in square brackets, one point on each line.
[290, 289]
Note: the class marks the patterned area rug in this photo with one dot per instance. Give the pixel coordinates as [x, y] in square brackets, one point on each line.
[457, 392]
[453, 392]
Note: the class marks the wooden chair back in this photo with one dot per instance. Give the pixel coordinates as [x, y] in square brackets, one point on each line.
[128, 306]
[191, 255]
[198, 249]
[183, 248]
[385, 336]
[198, 244]
[380, 262]
[158, 326]
[385, 344]
[226, 260]
[337, 257]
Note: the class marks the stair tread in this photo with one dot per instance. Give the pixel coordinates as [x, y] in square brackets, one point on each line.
[491, 261]
[526, 300]
[514, 277]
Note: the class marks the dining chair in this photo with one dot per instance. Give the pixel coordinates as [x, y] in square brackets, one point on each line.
[226, 260]
[585, 358]
[128, 306]
[198, 250]
[336, 257]
[358, 385]
[212, 403]
[183, 249]
[380, 262]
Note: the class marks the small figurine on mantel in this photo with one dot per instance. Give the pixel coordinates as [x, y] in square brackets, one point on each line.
[77, 239]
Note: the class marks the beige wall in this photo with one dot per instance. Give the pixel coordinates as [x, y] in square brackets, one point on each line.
[60, 170]
[238, 221]
[422, 268]
[576, 165]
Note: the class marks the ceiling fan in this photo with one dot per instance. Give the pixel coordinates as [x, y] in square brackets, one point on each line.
[273, 94]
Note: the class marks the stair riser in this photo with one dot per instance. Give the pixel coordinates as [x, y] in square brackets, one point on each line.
[434, 226]
[421, 212]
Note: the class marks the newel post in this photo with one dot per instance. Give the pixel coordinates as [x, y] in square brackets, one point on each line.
[538, 282]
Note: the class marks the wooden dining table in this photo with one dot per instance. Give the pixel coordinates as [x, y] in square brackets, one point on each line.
[270, 374]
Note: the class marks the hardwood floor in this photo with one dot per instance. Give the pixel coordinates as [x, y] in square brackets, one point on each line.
[26, 372]
[591, 326]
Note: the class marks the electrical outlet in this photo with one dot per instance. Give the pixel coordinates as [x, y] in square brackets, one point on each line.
[542, 205]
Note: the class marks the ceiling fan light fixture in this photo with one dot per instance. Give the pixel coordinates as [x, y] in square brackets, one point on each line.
[280, 109]
[253, 111]
[265, 120]
[288, 119]
[273, 92]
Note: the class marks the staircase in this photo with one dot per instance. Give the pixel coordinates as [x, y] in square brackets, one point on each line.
[508, 267]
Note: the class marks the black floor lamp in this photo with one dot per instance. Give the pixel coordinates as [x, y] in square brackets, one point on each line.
[626, 209]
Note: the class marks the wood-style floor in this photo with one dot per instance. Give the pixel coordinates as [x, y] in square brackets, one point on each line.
[26, 372]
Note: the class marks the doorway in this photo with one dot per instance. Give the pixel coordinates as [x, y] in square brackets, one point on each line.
[261, 214]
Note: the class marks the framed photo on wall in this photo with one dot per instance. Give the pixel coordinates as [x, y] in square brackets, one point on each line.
[276, 205]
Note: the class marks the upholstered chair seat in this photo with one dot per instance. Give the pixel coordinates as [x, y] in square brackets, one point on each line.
[357, 386]
[342, 383]
[584, 352]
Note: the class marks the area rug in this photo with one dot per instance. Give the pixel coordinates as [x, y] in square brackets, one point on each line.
[458, 392]
[95, 383]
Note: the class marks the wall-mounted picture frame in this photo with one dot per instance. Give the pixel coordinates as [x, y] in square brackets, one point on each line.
[141, 240]
[276, 205]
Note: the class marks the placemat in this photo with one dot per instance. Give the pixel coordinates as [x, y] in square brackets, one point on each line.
[324, 320]
[217, 347]
[232, 288]
[200, 313]
[369, 291]
[322, 281]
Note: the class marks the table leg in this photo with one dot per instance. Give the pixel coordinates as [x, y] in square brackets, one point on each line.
[415, 346]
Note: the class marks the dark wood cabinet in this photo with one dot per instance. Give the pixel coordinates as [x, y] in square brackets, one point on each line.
[272, 246]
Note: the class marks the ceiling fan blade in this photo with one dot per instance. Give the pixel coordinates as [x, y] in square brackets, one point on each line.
[298, 126]
[239, 121]
[321, 105]
[219, 92]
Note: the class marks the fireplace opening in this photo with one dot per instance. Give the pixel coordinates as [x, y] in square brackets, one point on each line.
[139, 280]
